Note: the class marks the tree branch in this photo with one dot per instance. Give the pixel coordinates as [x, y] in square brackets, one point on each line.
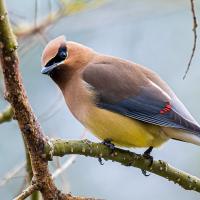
[67, 8]
[36, 194]
[59, 147]
[28, 124]
[64, 166]
[194, 29]
[12, 173]
[27, 192]
[6, 115]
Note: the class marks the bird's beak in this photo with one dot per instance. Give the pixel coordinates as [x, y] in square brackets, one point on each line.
[47, 70]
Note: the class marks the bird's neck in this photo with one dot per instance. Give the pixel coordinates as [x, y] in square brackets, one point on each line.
[62, 77]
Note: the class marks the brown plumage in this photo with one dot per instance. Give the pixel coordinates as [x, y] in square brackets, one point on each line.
[117, 99]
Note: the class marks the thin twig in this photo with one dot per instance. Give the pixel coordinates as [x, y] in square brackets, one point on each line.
[50, 6]
[9, 175]
[27, 192]
[22, 186]
[63, 180]
[68, 163]
[36, 13]
[66, 9]
[6, 115]
[30, 44]
[194, 29]
[55, 106]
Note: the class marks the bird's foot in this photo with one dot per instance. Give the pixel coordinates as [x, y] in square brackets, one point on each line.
[147, 155]
[109, 144]
[100, 161]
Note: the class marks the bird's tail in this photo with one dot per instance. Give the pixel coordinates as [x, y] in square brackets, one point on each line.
[182, 135]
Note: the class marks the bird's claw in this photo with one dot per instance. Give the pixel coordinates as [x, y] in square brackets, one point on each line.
[100, 161]
[147, 155]
[144, 172]
[109, 144]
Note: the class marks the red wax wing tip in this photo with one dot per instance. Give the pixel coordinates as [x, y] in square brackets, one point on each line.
[167, 108]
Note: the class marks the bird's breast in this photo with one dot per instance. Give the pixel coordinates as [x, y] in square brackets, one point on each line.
[79, 98]
[121, 130]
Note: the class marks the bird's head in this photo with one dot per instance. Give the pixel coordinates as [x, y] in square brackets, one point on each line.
[61, 56]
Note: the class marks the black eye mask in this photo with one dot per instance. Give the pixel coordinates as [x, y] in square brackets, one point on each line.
[55, 61]
[60, 56]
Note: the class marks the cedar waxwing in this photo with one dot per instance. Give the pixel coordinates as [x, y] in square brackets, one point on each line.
[117, 100]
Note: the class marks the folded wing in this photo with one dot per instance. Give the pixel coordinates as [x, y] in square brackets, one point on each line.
[123, 88]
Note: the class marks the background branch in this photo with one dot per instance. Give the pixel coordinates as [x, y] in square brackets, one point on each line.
[35, 195]
[66, 9]
[28, 124]
[27, 192]
[194, 29]
[12, 173]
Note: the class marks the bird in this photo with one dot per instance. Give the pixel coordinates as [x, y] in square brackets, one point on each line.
[121, 102]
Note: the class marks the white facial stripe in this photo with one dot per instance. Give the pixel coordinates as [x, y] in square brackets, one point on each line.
[47, 70]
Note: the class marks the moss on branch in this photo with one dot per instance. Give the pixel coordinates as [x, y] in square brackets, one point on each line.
[60, 147]
[6, 115]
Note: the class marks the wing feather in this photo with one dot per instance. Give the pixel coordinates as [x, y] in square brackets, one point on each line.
[123, 88]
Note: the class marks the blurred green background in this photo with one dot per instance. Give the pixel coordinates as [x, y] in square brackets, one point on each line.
[157, 34]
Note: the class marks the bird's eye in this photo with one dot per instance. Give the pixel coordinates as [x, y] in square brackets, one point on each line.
[62, 54]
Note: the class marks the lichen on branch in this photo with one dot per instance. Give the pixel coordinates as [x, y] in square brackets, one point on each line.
[6, 115]
[59, 147]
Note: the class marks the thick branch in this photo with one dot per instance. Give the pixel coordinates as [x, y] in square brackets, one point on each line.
[30, 128]
[16, 95]
[84, 147]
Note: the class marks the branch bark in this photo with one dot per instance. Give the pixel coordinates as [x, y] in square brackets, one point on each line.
[28, 124]
[59, 147]
[27, 192]
[36, 194]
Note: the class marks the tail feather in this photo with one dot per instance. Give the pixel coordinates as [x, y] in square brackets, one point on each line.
[182, 135]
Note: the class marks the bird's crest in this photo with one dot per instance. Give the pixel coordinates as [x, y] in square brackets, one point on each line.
[52, 48]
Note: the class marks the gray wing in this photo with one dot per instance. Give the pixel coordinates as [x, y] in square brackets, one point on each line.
[123, 88]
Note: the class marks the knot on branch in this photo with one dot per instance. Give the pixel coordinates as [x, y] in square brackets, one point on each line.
[3, 16]
[7, 96]
[50, 149]
[27, 129]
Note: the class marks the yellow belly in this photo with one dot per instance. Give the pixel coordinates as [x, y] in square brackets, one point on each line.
[123, 131]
